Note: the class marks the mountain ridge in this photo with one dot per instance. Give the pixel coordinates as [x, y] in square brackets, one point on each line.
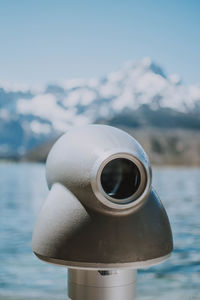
[138, 95]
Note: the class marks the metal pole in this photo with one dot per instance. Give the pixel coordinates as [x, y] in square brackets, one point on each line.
[102, 284]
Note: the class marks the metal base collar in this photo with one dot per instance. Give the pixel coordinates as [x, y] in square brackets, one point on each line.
[102, 285]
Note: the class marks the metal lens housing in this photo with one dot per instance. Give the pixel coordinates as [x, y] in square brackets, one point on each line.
[121, 180]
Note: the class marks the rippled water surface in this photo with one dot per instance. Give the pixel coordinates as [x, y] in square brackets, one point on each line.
[23, 276]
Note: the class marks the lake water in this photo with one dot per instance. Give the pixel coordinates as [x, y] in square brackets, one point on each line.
[23, 276]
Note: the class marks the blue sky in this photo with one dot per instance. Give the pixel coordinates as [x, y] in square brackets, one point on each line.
[48, 40]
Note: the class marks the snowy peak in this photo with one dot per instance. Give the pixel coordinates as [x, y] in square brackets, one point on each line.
[29, 117]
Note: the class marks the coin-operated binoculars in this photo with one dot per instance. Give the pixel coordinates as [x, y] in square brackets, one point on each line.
[102, 219]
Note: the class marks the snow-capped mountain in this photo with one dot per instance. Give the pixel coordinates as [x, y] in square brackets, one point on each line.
[139, 93]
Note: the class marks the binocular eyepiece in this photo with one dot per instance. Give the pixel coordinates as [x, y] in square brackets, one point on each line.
[102, 218]
[120, 180]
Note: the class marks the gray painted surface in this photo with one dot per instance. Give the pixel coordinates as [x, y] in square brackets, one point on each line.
[76, 228]
[69, 235]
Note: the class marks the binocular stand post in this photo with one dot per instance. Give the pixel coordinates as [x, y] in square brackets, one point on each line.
[102, 284]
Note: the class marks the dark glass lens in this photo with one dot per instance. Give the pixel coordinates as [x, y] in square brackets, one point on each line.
[120, 178]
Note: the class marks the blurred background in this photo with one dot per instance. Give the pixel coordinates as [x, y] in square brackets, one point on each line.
[130, 64]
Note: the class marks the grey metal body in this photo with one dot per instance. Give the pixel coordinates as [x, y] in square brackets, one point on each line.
[68, 234]
[82, 226]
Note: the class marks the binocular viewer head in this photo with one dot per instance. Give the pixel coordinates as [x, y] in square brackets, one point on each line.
[105, 168]
[101, 211]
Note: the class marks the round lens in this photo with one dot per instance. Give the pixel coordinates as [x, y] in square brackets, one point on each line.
[120, 178]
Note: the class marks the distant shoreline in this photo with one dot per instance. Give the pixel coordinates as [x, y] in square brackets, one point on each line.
[24, 161]
[165, 147]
